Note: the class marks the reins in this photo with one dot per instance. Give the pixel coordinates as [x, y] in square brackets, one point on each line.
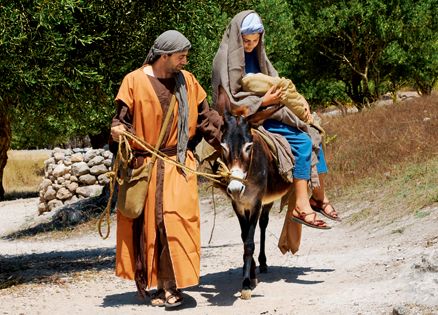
[125, 155]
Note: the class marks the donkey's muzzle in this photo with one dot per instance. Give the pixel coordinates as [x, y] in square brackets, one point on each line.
[235, 189]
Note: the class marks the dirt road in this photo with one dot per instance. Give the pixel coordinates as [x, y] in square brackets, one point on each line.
[379, 268]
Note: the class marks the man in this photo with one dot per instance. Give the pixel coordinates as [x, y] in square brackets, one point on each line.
[166, 252]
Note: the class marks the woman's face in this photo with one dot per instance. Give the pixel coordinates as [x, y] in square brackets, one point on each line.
[250, 41]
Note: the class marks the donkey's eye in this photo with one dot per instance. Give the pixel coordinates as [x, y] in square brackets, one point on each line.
[247, 149]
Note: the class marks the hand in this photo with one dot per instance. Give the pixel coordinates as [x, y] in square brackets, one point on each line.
[273, 96]
[308, 118]
[116, 131]
[307, 113]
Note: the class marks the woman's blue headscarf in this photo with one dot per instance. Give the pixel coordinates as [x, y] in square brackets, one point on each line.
[251, 24]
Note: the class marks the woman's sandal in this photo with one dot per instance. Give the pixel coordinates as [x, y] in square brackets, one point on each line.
[158, 298]
[320, 207]
[300, 218]
[178, 299]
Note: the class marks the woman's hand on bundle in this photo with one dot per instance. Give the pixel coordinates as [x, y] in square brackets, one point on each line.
[273, 96]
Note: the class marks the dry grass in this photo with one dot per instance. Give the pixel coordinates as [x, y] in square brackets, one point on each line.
[384, 161]
[24, 171]
[375, 142]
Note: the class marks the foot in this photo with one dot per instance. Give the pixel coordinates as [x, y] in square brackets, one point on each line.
[325, 208]
[174, 298]
[158, 298]
[309, 219]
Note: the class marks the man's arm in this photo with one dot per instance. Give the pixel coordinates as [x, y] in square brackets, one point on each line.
[122, 121]
[209, 125]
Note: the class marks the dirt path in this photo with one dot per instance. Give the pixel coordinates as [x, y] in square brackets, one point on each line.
[351, 269]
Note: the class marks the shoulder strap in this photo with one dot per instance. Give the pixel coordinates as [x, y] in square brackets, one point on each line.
[166, 122]
[162, 132]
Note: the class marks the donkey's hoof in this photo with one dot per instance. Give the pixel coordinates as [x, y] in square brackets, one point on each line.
[245, 294]
[253, 283]
[263, 269]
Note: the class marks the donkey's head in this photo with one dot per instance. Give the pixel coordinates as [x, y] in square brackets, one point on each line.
[238, 142]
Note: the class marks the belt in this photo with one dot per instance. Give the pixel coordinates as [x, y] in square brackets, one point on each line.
[140, 156]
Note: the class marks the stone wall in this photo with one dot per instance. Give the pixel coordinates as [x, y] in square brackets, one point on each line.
[73, 174]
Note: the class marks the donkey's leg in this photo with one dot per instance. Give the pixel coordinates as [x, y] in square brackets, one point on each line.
[263, 223]
[248, 225]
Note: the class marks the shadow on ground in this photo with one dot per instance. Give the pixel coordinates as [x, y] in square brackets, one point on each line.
[51, 267]
[223, 288]
[132, 298]
[20, 195]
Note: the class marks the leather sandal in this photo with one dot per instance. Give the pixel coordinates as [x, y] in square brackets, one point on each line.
[314, 223]
[177, 295]
[158, 298]
[320, 207]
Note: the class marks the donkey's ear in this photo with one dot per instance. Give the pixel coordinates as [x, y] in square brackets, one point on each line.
[259, 117]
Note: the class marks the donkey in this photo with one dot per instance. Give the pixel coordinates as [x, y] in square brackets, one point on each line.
[255, 185]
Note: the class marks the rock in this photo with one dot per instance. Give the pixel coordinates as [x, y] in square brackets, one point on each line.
[77, 157]
[89, 155]
[73, 199]
[95, 161]
[87, 179]
[53, 204]
[108, 162]
[89, 191]
[63, 193]
[59, 156]
[50, 193]
[79, 169]
[98, 169]
[72, 186]
[103, 179]
[44, 184]
[107, 155]
[42, 207]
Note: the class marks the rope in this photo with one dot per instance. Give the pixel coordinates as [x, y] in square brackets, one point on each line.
[214, 214]
[225, 174]
[124, 156]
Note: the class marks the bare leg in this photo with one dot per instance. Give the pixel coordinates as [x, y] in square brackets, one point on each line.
[302, 204]
[319, 192]
[321, 200]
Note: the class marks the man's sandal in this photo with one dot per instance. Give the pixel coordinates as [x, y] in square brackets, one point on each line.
[314, 223]
[320, 207]
[178, 299]
[158, 298]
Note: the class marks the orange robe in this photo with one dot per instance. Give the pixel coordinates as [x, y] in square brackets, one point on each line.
[180, 194]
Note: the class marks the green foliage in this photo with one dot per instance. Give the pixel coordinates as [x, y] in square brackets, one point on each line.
[372, 46]
[63, 61]
[55, 85]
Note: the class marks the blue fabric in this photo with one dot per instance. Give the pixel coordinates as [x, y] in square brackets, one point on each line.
[252, 62]
[321, 167]
[251, 24]
[301, 146]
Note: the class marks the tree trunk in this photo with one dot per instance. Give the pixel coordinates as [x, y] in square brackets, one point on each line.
[5, 143]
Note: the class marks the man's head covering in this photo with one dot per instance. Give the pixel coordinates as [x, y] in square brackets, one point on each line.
[251, 24]
[168, 42]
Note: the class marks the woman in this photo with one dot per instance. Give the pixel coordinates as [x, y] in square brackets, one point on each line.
[241, 54]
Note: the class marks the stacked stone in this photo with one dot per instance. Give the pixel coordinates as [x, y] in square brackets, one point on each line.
[72, 175]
